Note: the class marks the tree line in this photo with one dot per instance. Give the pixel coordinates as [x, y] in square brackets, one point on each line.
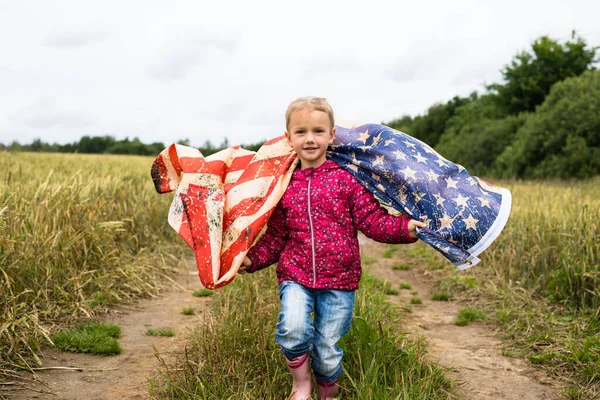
[110, 145]
[543, 120]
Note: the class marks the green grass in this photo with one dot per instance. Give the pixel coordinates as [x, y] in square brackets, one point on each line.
[203, 292]
[405, 285]
[368, 260]
[391, 291]
[467, 315]
[416, 300]
[91, 337]
[389, 252]
[401, 267]
[188, 311]
[233, 354]
[160, 332]
[440, 296]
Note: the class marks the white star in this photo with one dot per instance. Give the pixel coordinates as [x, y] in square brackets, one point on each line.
[484, 202]
[378, 160]
[375, 177]
[351, 154]
[409, 144]
[451, 183]
[364, 136]
[399, 155]
[471, 222]
[429, 150]
[432, 176]
[420, 158]
[472, 181]
[376, 140]
[460, 168]
[408, 172]
[445, 249]
[388, 142]
[460, 200]
[441, 162]
[446, 221]
[353, 167]
[364, 148]
[439, 200]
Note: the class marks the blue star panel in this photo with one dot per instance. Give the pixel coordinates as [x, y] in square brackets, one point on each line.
[465, 214]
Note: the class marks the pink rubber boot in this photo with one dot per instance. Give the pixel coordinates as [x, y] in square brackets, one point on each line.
[328, 390]
[300, 371]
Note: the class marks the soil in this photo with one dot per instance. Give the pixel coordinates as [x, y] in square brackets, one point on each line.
[126, 375]
[471, 353]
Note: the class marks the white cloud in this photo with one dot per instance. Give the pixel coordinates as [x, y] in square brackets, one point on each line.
[204, 70]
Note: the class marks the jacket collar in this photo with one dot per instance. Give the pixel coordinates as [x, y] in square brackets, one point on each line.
[303, 174]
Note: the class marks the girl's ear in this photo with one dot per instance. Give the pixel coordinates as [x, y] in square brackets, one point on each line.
[332, 136]
[287, 135]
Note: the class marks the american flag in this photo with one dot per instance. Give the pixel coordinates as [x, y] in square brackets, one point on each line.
[222, 202]
[464, 214]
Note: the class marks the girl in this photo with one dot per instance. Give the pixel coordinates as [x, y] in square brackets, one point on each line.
[312, 236]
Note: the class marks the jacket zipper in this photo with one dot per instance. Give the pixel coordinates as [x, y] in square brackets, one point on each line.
[312, 234]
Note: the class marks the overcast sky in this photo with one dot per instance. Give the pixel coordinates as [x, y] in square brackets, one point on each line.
[167, 70]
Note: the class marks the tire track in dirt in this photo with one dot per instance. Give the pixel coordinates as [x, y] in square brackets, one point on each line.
[124, 376]
[472, 352]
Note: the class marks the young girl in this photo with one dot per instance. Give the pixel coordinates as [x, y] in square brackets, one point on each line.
[312, 236]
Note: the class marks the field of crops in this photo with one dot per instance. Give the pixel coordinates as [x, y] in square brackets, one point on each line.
[77, 233]
[81, 232]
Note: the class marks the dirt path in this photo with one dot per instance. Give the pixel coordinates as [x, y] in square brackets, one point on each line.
[472, 351]
[124, 376]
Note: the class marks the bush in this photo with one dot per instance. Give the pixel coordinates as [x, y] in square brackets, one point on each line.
[562, 139]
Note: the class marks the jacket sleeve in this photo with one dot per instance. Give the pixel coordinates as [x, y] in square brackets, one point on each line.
[270, 245]
[373, 220]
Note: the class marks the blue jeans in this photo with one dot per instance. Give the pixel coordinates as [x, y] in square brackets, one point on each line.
[298, 333]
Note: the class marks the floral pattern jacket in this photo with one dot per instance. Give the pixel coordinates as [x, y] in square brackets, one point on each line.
[312, 233]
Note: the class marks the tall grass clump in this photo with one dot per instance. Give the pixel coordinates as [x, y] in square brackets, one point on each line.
[77, 232]
[552, 242]
[234, 354]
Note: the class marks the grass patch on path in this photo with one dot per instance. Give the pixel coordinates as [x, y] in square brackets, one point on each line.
[91, 337]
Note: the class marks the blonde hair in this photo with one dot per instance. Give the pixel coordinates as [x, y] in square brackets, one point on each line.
[309, 103]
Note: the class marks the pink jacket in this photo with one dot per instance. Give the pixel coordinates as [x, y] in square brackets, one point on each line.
[312, 233]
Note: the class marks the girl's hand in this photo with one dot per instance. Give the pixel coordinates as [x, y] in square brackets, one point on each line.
[247, 263]
[413, 224]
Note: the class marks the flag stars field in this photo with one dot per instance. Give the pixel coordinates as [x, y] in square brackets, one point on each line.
[451, 183]
[460, 200]
[471, 223]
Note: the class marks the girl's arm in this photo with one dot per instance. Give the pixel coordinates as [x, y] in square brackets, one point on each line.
[375, 222]
[270, 245]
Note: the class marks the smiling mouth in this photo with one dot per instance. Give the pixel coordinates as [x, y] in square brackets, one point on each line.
[310, 148]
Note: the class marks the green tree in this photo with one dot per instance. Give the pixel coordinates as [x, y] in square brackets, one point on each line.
[530, 75]
[430, 126]
[562, 139]
[477, 134]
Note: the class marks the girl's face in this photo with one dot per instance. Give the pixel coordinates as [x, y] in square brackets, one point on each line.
[309, 133]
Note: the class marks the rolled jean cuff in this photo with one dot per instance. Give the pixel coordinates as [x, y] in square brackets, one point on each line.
[323, 378]
[290, 355]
